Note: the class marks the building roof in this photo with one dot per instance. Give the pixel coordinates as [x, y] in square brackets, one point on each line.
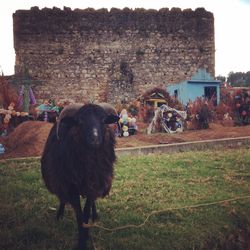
[202, 76]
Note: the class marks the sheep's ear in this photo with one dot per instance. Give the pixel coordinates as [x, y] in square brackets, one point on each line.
[64, 125]
[111, 119]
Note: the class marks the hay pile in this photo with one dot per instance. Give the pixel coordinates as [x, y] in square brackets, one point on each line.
[27, 139]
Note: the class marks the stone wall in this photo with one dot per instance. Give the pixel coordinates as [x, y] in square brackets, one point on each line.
[113, 56]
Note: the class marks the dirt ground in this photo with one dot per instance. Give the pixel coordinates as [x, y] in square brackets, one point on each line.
[28, 138]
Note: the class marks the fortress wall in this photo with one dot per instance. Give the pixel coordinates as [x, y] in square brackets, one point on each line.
[111, 55]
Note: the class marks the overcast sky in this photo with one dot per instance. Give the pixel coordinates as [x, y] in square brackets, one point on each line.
[232, 22]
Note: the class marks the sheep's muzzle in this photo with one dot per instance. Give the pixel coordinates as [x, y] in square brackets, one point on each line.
[95, 138]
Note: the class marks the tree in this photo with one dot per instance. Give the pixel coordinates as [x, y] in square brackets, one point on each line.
[247, 78]
[239, 79]
[221, 78]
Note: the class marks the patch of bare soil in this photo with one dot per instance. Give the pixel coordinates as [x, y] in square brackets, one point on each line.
[28, 138]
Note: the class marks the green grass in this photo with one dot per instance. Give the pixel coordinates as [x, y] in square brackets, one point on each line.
[141, 185]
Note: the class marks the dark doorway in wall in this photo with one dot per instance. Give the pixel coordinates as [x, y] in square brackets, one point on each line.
[176, 93]
[210, 93]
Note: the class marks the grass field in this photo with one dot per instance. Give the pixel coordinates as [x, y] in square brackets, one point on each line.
[175, 201]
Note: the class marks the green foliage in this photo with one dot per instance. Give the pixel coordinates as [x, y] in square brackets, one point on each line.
[221, 78]
[142, 185]
[239, 79]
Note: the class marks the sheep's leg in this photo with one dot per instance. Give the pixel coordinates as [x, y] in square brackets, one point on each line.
[87, 210]
[94, 213]
[60, 211]
[82, 240]
[86, 215]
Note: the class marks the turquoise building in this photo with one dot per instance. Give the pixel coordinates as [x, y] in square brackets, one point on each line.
[202, 84]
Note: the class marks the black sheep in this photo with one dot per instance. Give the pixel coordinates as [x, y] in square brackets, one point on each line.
[80, 162]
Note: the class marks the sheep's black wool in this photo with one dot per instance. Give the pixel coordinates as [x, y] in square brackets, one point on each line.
[80, 162]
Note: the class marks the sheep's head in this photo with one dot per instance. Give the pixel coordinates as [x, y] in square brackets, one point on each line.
[90, 121]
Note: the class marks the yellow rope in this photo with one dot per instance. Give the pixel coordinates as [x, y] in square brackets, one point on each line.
[166, 210]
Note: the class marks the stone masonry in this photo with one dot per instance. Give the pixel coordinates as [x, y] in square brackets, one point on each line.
[113, 56]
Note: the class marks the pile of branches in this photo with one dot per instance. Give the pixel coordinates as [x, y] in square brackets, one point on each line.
[241, 107]
[234, 105]
[199, 113]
